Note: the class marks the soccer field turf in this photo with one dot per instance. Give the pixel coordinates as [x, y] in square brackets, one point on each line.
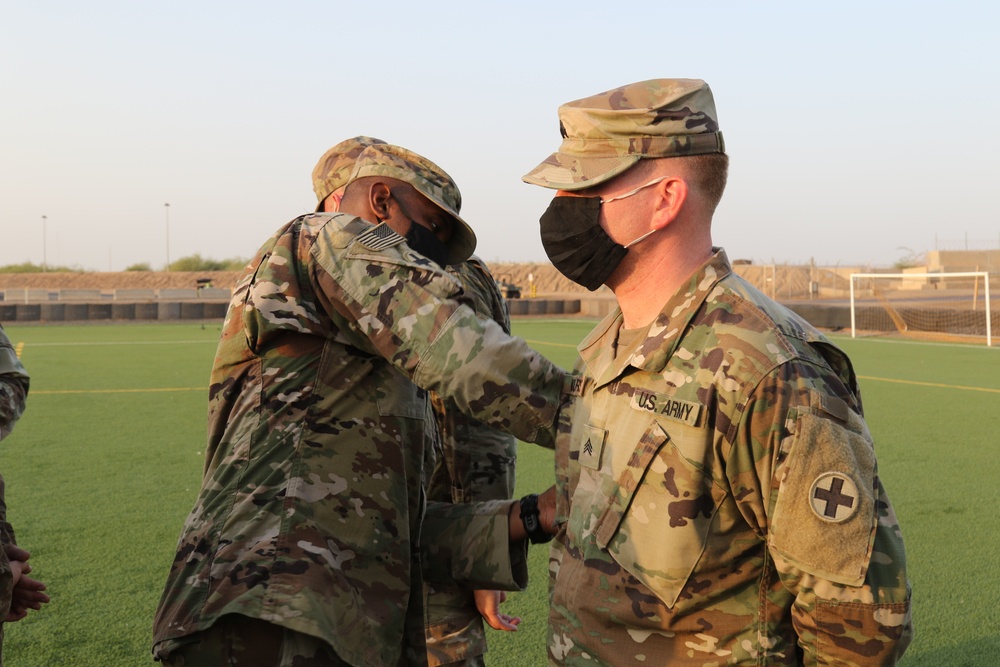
[107, 461]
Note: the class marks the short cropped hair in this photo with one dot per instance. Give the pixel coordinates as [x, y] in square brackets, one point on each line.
[709, 173]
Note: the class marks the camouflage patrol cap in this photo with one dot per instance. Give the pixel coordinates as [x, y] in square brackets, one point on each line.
[605, 134]
[336, 165]
[429, 180]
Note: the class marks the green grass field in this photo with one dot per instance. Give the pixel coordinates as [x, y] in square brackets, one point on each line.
[107, 460]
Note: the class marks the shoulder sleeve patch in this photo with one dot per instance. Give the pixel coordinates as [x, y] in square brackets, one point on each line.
[825, 515]
[379, 237]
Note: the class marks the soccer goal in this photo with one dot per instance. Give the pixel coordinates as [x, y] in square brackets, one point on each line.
[934, 306]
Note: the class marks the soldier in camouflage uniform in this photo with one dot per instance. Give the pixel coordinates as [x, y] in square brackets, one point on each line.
[18, 592]
[461, 473]
[309, 538]
[718, 492]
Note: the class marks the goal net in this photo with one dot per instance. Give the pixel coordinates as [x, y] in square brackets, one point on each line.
[934, 306]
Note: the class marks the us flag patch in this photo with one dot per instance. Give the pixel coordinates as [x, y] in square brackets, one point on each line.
[379, 237]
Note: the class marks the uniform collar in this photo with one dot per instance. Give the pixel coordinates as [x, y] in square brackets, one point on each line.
[651, 351]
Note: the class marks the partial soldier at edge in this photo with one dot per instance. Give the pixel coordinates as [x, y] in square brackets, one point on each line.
[19, 593]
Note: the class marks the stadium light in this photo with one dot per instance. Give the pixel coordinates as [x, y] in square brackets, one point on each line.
[45, 259]
[166, 209]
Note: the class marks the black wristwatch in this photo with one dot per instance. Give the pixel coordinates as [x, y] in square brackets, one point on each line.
[530, 519]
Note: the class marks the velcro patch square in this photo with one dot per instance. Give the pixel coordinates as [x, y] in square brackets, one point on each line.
[592, 448]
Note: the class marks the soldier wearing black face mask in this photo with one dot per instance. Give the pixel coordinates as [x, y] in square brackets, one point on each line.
[575, 242]
[473, 462]
[718, 497]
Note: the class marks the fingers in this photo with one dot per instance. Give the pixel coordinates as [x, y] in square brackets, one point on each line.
[488, 603]
[15, 552]
[29, 584]
[503, 622]
[28, 594]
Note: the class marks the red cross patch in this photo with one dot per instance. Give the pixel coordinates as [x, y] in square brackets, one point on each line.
[834, 497]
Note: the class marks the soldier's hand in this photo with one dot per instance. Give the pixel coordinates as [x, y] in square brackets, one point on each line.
[488, 604]
[14, 552]
[27, 594]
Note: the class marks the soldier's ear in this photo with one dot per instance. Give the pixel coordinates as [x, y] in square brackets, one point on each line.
[379, 196]
[673, 193]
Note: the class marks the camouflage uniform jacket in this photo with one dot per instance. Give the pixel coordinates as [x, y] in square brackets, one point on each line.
[474, 463]
[720, 495]
[13, 390]
[310, 510]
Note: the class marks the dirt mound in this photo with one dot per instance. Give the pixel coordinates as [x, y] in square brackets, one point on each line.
[123, 280]
[547, 279]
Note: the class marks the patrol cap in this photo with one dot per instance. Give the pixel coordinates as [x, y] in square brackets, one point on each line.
[429, 180]
[336, 165]
[605, 134]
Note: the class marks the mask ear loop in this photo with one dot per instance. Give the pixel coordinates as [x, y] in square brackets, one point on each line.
[632, 192]
[629, 194]
[632, 243]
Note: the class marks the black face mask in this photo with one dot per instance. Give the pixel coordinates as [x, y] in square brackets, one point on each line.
[427, 244]
[576, 244]
[423, 240]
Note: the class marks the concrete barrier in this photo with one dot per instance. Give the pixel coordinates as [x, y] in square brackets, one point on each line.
[167, 294]
[517, 307]
[168, 310]
[216, 311]
[598, 307]
[214, 294]
[192, 311]
[147, 311]
[135, 295]
[77, 311]
[99, 311]
[52, 312]
[25, 295]
[88, 295]
[123, 311]
[824, 317]
[821, 316]
[28, 312]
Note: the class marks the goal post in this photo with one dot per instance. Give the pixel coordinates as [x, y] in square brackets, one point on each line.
[935, 306]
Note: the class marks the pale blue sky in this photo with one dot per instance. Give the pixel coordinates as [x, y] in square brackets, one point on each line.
[858, 132]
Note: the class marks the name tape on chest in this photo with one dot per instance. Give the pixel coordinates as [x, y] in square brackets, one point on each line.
[573, 385]
[666, 406]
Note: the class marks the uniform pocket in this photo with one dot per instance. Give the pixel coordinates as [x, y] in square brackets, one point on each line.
[396, 396]
[657, 518]
[864, 634]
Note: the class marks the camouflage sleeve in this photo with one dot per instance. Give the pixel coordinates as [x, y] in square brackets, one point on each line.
[476, 461]
[825, 516]
[13, 386]
[403, 306]
[469, 545]
[6, 530]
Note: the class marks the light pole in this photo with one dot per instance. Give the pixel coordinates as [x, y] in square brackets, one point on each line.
[45, 259]
[166, 209]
